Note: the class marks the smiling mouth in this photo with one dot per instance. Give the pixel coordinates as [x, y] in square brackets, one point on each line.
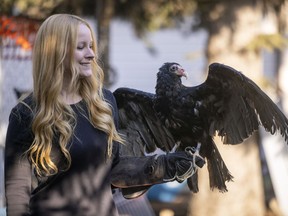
[85, 64]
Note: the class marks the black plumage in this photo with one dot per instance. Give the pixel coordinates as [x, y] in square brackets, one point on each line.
[227, 103]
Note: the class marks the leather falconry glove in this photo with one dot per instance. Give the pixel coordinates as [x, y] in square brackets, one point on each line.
[135, 175]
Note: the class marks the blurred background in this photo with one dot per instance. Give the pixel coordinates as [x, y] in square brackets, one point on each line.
[134, 39]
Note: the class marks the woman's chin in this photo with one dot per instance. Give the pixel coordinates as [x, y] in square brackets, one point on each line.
[86, 73]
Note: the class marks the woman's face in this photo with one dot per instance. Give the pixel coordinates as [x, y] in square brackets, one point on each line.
[84, 54]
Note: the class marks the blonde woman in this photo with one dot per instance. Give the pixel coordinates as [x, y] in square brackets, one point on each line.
[62, 145]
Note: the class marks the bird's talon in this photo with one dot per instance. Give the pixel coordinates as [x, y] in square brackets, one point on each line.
[195, 153]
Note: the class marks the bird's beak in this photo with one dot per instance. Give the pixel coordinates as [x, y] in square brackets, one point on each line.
[181, 72]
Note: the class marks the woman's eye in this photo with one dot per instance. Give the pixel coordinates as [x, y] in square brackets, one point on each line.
[80, 48]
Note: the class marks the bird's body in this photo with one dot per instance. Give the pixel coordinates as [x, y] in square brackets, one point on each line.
[184, 113]
[227, 103]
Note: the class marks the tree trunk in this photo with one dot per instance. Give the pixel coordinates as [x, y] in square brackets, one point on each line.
[235, 24]
[104, 14]
[276, 161]
[281, 189]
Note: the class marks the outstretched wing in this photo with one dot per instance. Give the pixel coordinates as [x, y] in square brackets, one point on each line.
[239, 106]
[138, 122]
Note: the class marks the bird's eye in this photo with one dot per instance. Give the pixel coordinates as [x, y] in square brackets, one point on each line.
[173, 68]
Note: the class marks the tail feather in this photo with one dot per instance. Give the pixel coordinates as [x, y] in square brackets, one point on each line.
[218, 171]
[192, 183]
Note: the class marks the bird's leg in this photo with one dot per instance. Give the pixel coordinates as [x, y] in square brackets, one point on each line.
[195, 153]
[157, 152]
[161, 152]
[175, 147]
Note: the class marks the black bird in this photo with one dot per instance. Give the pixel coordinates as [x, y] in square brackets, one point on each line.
[227, 103]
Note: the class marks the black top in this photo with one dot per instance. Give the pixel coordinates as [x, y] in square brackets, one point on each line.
[83, 190]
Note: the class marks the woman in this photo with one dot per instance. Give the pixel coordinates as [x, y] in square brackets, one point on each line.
[62, 145]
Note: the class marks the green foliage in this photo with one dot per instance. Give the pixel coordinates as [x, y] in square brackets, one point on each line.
[41, 8]
[6, 7]
[268, 42]
[37, 9]
[151, 15]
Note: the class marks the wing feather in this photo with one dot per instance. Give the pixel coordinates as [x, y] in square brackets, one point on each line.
[138, 122]
[243, 107]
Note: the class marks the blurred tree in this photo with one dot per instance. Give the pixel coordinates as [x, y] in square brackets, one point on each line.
[37, 9]
[231, 26]
[152, 15]
[104, 15]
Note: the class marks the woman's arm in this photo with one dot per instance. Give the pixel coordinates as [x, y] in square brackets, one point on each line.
[17, 167]
[134, 175]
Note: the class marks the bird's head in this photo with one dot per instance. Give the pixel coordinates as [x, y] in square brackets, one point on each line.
[173, 69]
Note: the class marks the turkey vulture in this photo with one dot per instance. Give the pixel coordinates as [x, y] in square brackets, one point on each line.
[228, 104]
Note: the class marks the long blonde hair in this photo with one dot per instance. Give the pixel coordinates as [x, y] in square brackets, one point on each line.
[56, 41]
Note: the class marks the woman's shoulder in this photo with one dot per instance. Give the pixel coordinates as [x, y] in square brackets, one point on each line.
[108, 95]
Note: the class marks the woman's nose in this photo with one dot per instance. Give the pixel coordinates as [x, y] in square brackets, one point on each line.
[90, 54]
